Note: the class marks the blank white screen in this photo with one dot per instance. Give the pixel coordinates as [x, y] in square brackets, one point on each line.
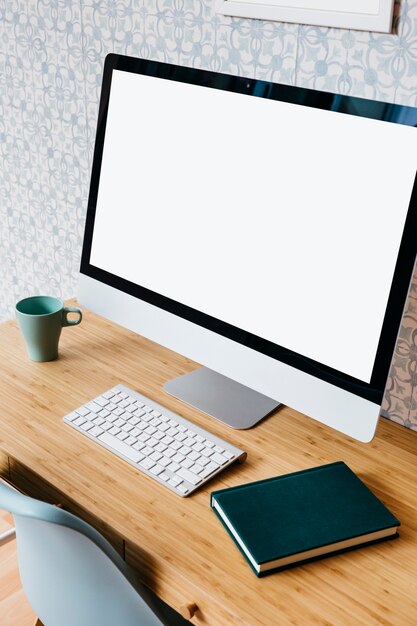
[279, 219]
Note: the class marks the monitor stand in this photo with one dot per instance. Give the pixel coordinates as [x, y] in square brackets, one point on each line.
[222, 398]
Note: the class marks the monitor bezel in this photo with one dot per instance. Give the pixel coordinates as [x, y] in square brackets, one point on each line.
[390, 113]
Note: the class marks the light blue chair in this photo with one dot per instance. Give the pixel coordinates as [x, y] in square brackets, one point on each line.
[72, 576]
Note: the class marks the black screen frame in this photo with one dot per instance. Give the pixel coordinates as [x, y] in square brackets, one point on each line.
[390, 113]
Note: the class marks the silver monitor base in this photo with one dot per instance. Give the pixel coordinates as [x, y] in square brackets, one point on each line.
[222, 398]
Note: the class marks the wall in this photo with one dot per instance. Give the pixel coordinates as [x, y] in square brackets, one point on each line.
[51, 57]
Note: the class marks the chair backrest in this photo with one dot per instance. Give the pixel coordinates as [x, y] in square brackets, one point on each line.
[70, 574]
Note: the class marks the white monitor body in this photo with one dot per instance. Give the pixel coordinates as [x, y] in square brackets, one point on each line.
[290, 226]
[325, 402]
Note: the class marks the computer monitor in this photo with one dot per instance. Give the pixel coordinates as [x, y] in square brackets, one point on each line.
[262, 230]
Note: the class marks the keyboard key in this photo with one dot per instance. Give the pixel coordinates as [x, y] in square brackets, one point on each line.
[93, 407]
[164, 476]
[175, 481]
[122, 435]
[182, 488]
[157, 469]
[187, 463]
[114, 431]
[130, 441]
[194, 456]
[79, 420]
[119, 446]
[108, 395]
[209, 469]
[218, 458]
[87, 425]
[95, 431]
[147, 463]
[82, 411]
[196, 468]
[102, 401]
[189, 476]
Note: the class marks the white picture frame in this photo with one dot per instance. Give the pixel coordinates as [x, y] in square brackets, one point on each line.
[370, 15]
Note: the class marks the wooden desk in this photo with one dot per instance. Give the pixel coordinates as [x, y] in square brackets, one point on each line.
[178, 545]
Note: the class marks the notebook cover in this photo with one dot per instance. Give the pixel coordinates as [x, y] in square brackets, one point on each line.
[293, 513]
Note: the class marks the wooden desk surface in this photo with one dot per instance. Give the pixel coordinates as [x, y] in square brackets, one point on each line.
[177, 544]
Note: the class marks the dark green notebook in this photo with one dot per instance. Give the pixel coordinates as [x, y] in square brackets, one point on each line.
[301, 516]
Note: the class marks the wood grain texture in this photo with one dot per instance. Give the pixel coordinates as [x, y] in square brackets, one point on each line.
[4, 464]
[14, 608]
[177, 544]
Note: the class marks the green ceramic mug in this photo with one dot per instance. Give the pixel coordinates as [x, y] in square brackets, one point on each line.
[41, 319]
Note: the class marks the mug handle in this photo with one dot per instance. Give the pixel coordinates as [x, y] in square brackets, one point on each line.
[71, 309]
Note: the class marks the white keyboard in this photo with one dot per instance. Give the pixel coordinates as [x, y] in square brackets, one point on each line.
[158, 442]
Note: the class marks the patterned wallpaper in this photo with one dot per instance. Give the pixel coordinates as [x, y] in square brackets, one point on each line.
[51, 58]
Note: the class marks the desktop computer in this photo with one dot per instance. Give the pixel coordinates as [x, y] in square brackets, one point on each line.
[265, 231]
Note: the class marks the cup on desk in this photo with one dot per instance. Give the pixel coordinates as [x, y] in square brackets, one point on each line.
[41, 319]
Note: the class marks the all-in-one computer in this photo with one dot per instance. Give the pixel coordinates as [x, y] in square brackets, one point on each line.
[265, 231]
